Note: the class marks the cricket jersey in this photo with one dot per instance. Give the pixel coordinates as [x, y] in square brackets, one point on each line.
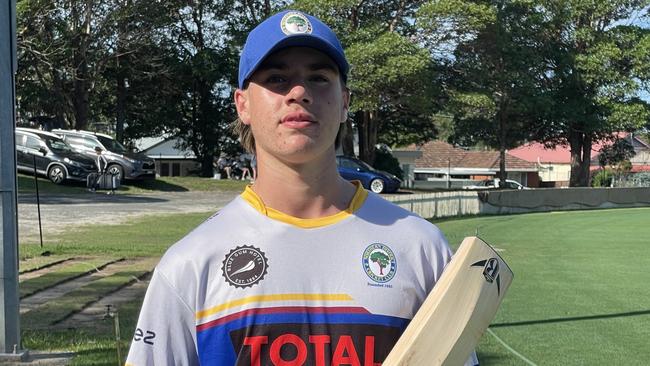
[252, 286]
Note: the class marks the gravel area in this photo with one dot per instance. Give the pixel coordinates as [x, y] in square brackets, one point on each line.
[60, 212]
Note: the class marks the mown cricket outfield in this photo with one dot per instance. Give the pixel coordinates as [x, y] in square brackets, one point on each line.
[581, 293]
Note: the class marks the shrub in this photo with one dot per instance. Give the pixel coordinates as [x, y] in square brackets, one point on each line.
[385, 161]
[603, 178]
[640, 179]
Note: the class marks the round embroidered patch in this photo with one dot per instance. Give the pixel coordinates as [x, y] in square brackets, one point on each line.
[379, 262]
[295, 23]
[245, 266]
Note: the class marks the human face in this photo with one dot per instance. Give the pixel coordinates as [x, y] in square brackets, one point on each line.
[294, 103]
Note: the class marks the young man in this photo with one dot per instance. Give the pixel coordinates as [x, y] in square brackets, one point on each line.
[304, 268]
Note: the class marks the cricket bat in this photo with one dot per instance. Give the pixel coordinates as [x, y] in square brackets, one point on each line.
[450, 322]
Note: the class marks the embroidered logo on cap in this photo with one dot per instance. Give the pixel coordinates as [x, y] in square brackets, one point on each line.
[295, 23]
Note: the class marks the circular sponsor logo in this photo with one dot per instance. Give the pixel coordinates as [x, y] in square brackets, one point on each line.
[295, 23]
[245, 266]
[379, 262]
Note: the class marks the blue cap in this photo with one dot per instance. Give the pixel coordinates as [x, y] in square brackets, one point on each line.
[289, 28]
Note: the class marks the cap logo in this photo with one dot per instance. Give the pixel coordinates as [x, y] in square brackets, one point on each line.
[295, 23]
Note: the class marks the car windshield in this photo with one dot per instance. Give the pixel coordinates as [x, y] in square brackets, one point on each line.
[57, 145]
[112, 145]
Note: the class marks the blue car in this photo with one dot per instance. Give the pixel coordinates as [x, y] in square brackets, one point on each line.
[371, 179]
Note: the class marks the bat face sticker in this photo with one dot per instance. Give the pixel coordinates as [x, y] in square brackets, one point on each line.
[490, 271]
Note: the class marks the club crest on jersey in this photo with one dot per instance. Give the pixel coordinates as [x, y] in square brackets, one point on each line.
[379, 262]
[245, 266]
[295, 23]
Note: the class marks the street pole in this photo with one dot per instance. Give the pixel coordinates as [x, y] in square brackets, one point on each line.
[10, 346]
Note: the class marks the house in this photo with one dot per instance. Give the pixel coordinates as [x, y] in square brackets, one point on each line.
[171, 160]
[442, 162]
[554, 164]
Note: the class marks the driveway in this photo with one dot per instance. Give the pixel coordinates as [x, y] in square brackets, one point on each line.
[61, 212]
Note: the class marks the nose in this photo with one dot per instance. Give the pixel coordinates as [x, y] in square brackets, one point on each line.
[299, 93]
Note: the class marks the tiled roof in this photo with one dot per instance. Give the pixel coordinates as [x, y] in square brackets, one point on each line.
[439, 154]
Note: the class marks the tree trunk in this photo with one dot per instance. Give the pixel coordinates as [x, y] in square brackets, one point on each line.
[81, 102]
[347, 138]
[121, 103]
[580, 144]
[367, 127]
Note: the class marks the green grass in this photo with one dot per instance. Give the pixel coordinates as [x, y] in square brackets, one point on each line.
[38, 262]
[26, 185]
[579, 297]
[142, 237]
[581, 287]
[59, 309]
[61, 274]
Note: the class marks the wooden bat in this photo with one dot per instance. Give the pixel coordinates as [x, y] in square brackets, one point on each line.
[450, 322]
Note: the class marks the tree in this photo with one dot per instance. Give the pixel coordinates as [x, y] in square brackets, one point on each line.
[494, 69]
[597, 66]
[391, 73]
[381, 259]
[62, 50]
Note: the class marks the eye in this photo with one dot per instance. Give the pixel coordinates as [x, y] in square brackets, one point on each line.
[275, 79]
[319, 78]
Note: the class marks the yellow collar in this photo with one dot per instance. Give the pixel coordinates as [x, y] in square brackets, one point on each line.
[357, 201]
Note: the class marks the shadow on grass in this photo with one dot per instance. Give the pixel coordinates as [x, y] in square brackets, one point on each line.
[571, 319]
[158, 185]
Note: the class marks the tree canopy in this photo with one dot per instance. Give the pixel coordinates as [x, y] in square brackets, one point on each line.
[493, 72]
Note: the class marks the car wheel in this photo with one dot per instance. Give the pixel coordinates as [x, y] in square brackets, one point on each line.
[117, 171]
[56, 174]
[377, 185]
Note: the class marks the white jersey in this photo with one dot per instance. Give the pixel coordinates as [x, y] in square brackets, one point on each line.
[252, 286]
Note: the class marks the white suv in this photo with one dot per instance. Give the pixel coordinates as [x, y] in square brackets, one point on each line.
[121, 162]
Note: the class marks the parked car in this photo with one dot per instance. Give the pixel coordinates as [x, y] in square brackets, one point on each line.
[494, 183]
[121, 162]
[372, 179]
[54, 158]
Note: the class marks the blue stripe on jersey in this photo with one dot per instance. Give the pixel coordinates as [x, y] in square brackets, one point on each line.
[215, 346]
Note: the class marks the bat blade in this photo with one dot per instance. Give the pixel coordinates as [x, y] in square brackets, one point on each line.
[453, 317]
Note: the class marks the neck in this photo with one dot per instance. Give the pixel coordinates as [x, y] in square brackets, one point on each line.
[310, 190]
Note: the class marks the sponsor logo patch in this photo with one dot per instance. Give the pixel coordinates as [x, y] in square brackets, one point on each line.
[295, 23]
[245, 266]
[379, 262]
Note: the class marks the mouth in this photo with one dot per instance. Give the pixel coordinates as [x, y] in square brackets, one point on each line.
[298, 120]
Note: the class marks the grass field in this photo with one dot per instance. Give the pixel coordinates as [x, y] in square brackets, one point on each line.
[580, 295]
[26, 185]
[581, 290]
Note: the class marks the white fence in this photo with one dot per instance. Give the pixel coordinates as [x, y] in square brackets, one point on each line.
[460, 203]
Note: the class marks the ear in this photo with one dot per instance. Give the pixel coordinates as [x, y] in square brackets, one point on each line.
[241, 103]
[346, 104]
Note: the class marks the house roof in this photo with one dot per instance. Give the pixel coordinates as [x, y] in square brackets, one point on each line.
[561, 154]
[441, 155]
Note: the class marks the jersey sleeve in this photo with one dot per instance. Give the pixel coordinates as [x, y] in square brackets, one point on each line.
[166, 329]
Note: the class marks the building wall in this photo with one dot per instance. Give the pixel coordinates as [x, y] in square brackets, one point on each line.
[556, 173]
[176, 167]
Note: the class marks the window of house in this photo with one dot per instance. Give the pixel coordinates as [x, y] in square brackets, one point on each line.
[176, 169]
[164, 169]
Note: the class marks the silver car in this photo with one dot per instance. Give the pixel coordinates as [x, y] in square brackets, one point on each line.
[121, 162]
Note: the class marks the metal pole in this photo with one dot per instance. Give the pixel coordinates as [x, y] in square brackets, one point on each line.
[9, 303]
[118, 338]
[38, 202]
